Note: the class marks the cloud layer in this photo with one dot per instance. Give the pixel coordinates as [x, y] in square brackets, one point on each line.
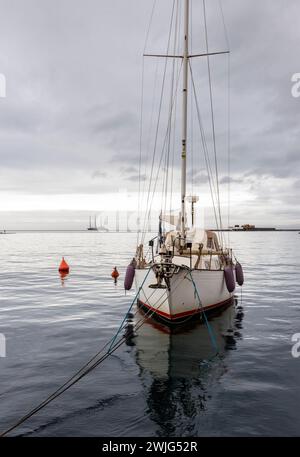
[70, 121]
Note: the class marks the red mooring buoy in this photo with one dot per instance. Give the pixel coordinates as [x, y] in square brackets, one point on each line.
[63, 267]
[115, 274]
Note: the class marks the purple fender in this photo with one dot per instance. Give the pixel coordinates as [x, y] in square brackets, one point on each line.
[239, 274]
[129, 276]
[229, 278]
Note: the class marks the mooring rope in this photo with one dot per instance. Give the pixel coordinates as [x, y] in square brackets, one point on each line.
[129, 309]
[87, 368]
[94, 362]
[209, 328]
[83, 371]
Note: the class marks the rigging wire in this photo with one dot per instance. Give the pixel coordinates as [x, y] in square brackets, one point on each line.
[140, 151]
[167, 180]
[173, 80]
[212, 119]
[228, 120]
[229, 148]
[224, 26]
[147, 215]
[191, 98]
[159, 114]
[206, 154]
[148, 143]
[141, 116]
[178, 69]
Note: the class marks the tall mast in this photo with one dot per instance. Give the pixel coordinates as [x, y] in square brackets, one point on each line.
[184, 114]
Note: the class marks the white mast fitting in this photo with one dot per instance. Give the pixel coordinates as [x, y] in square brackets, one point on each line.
[184, 115]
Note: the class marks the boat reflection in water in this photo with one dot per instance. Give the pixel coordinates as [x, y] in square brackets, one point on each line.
[178, 369]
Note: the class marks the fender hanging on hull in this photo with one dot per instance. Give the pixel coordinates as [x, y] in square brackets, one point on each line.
[229, 278]
[239, 274]
[129, 276]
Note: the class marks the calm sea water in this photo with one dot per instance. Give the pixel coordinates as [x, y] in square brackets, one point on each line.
[157, 384]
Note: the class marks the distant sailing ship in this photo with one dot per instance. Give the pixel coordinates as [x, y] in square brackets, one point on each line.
[93, 227]
[6, 232]
[188, 270]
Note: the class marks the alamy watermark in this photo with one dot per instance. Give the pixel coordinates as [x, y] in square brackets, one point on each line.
[133, 221]
[296, 86]
[296, 347]
[2, 86]
[2, 345]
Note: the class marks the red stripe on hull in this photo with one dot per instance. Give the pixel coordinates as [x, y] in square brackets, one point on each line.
[185, 313]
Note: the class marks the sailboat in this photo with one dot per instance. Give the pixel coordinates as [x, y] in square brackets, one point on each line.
[188, 270]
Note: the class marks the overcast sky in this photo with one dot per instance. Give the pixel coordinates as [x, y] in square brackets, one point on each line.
[69, 125]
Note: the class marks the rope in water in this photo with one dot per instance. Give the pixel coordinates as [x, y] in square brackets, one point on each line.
[94, 362]
[83, 371]
[87, 368]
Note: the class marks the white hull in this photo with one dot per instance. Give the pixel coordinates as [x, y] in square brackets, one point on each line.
[181, 300]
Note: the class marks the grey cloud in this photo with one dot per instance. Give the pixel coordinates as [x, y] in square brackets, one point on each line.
[73, 74]
[130, 169]
[98, 174]
[136, 178]
[200, 178]
[230, 179]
